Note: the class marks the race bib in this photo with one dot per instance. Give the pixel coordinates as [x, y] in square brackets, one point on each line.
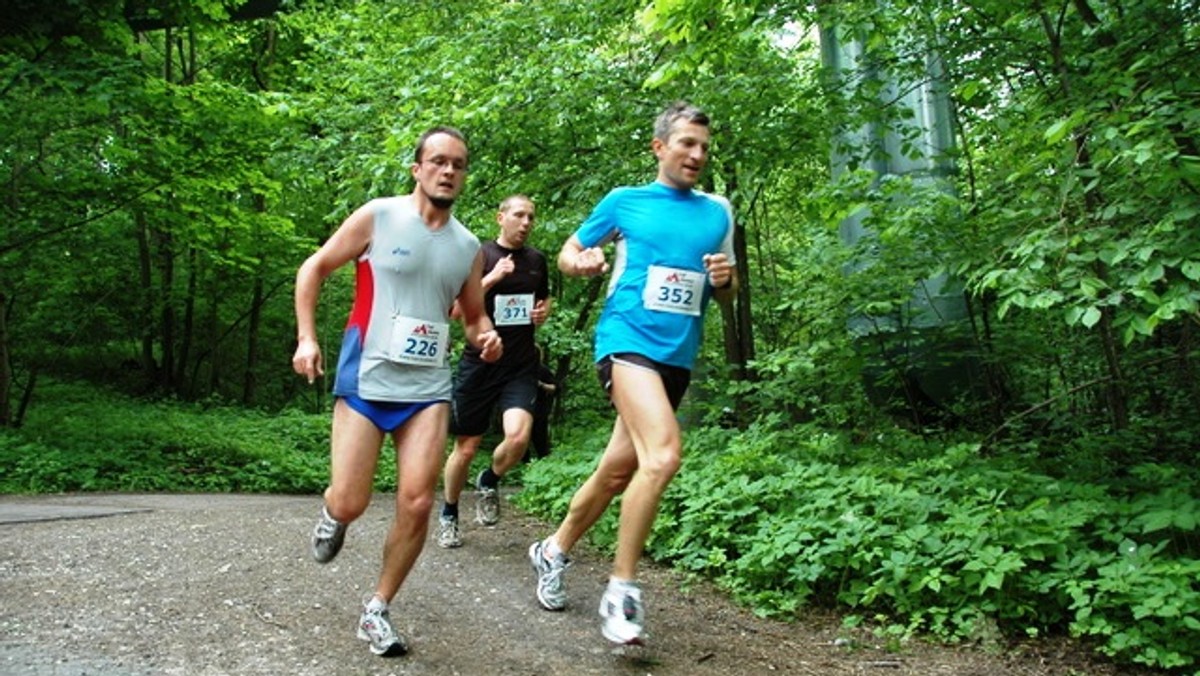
[513, 309]
[417, 342]
[673, 290]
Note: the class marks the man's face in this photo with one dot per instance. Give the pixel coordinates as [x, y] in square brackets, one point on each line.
[683, 155]
[516, 222]
[442, 170]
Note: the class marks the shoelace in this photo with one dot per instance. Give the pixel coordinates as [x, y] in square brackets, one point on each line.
[327, 528]
[555, 570]
[380, 625]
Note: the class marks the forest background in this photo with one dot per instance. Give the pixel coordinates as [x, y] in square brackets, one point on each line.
[1026, 467]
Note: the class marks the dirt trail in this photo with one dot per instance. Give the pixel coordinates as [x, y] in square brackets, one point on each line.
[222, 584]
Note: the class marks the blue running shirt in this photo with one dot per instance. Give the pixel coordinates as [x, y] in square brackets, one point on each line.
[659, 289]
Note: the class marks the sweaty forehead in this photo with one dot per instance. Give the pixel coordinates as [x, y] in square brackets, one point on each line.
[444, 145]
[519, 205]
[683, 129]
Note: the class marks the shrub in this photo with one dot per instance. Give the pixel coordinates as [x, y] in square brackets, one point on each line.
[933, 535]
[80, 439]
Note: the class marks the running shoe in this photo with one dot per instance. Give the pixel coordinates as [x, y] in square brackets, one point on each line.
[487, 504]
[551, 591]
[448, 536]
[624, 616]
[375, 627]
[327, 537]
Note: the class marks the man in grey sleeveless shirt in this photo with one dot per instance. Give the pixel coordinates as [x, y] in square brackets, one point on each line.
[413, 261]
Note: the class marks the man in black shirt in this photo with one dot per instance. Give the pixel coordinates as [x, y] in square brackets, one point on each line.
[517, 298]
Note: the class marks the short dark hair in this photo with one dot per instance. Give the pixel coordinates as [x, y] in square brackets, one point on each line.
[508, 201]
[433, 131]
[679, 110]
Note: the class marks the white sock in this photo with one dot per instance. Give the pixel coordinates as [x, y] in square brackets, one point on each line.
[617, 585]
[376, 604]
[553, 551]
[328, 515]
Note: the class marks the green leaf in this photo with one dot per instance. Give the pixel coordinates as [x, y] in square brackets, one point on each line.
[1153, 273]
[968, 90]
[1057, 131]
[1091, 287]
[1191, 270]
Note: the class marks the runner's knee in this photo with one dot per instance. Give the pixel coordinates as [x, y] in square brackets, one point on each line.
[661, 467]
[345, 506]
[465, 452]
[416, 506]
[615, 479]
[518, 438]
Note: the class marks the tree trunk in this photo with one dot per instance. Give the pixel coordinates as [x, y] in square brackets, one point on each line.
[257, 300]
[5, 365]
[745, 322]
[1117, 404]
[146, 277]
[26, 397]
[166, 331]
[1093, 205]
[735, 318]
[189, 321]
[214, 341]
[250, 382]
[1186, 371]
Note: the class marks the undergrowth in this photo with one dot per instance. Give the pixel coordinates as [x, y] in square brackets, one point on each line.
[929, 538]
[76, 438]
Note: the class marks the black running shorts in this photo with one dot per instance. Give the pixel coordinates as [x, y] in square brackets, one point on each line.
[675, 379]
[480, 388]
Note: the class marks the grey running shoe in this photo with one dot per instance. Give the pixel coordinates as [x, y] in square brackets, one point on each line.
[487, 505]
[327, 537]
[375, 627]
[448, 536]
[624, 617]
[551, 592]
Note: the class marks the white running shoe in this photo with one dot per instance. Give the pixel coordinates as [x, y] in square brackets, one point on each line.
[551, 591]
[624, 616]
[448, 535]
[327, 537]
[487, 504]
[375, 627]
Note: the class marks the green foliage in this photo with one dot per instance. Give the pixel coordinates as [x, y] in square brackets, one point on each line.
[92, 440]
[936, 537]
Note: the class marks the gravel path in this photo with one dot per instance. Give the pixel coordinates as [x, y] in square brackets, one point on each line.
[222, 584]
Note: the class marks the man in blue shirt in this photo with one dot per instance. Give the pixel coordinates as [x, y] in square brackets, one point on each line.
[673, 251]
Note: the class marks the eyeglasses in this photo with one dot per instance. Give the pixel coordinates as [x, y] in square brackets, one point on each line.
[444, 163]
